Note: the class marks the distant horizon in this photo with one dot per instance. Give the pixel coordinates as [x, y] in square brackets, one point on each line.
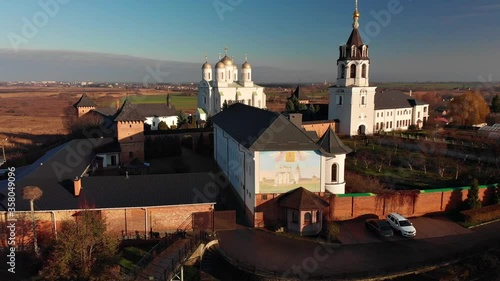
[299, 41]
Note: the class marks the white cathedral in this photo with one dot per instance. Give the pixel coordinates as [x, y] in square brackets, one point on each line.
[224, 87]
[356, 107]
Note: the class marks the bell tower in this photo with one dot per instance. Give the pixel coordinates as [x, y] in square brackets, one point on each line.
[352, 100]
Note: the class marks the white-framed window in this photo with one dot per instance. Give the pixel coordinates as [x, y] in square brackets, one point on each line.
[353, 51]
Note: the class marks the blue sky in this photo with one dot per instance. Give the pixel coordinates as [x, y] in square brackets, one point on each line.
[424, 40]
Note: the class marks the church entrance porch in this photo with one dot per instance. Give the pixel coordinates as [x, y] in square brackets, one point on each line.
[303, 211]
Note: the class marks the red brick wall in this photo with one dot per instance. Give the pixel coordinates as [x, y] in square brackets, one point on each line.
[83, 110]
[344, 208]
[161, 219]
[130, 135]
[268, 212]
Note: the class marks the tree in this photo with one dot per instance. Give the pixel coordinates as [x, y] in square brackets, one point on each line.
[473, 201]
[162, 126]
[33, 193]
[495, 104]
[469, 108]
[181, 119]
[290, 107]
[83, 251]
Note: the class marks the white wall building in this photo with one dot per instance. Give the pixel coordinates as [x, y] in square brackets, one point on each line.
[262, 152]
[356, 107]
[226, 84]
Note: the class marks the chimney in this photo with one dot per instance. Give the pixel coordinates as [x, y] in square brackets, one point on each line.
[77, 184]
[117, 104]
[296, 119]
[411, 92]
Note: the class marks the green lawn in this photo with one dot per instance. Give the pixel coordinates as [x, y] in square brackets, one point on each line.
[180, 101]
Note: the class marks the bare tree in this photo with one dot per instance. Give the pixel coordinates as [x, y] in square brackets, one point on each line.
[33, 193]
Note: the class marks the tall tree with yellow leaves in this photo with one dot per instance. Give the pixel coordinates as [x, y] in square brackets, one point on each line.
[469, 108]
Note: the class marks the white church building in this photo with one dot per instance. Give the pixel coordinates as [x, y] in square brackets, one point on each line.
[226, 85]
[356, 107]
[275, 166]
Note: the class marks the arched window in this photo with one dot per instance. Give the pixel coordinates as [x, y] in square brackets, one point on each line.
[363, 71]
[248, 76]
[353, 51]
[209, 76]
[363, 100]
[222, 75]
[353, 71]
[307, 218]
[334, 172]
[342, 71]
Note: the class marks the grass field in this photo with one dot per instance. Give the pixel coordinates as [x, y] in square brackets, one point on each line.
[181, 102]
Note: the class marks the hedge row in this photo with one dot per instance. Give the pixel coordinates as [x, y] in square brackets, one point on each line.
[484, 214]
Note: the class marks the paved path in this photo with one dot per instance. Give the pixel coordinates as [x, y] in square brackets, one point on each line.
[306, 259]
[162, 261]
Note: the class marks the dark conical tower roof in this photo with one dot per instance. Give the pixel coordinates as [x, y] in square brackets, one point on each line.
[128, 112]
[355, 38]
[84, 101]
[331, 143]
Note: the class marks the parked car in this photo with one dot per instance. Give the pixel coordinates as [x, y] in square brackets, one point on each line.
[380, 227]
[401, 225]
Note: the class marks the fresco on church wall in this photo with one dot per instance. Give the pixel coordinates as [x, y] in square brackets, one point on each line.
[282, 171]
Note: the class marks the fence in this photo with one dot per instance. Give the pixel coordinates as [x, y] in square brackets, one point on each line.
[176, 262]
[150, 255]
[350, 206]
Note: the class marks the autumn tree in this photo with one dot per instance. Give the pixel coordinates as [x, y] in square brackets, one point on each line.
[83, 251]
[469, 108]
[78, 125]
